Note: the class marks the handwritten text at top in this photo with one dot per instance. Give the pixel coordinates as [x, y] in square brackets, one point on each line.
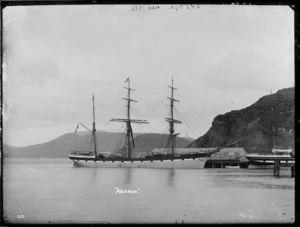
[157, 7]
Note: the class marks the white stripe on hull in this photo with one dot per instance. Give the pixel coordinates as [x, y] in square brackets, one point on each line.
[285, 160]
[81, 156]
[272, 161]
[271, 156]
[197, 163]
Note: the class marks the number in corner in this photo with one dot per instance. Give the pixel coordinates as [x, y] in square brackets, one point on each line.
[20, 216]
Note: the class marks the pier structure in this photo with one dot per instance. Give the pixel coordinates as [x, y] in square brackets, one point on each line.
[228, 158]
[276, 169]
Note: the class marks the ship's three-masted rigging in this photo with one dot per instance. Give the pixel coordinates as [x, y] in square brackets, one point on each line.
[128, 120]
[170, 160]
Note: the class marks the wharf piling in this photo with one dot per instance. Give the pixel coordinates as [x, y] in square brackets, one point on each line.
[293, 170]
[276, 169]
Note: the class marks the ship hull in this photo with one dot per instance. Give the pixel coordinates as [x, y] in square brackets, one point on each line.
[264, 160]
[197, 163]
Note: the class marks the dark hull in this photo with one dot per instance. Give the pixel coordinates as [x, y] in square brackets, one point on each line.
[165, 157]
[190, 161]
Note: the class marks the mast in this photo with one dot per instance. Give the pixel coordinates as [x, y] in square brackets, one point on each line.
[129, 130]
[272, 127]
[128, 120]
[94, 128]
[171, 120]
[93, 131]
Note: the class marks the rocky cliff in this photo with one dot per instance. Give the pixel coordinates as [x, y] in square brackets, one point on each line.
[255, 125]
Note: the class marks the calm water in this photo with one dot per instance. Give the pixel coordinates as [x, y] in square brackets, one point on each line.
[52, 190]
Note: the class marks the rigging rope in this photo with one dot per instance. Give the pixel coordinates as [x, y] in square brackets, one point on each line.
[121, 144]
[185, 122]
[134, 110]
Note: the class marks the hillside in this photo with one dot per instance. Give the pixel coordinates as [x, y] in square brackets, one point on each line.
[107, 142]
[252, 125]
[61, 146]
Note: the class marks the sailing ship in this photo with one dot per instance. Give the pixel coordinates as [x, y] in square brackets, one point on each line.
[285, 156]
[168, 160]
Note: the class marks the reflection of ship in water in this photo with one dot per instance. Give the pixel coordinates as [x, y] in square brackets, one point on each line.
[171, 177]
[128, 176]
[94, 174]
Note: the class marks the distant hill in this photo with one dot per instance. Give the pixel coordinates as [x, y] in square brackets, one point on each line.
[61, 146]
[107, 141]
[252, 125]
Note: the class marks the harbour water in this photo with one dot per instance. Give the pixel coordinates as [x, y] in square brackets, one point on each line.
[53, 191]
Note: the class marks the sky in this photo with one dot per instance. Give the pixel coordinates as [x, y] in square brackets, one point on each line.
[221, 57]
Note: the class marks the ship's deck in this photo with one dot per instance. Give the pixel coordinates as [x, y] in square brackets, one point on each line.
[147, 158]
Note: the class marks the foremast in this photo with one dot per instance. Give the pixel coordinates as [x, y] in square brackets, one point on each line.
[128, 120]
[171, 120]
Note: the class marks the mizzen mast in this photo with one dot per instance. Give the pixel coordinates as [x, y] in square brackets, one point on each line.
[171, 120]
[128, 120]
[94, 128]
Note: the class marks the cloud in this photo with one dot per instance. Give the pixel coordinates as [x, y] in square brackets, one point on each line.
[35, 71]
[245, 70]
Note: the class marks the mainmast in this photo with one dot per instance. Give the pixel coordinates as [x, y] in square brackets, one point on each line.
[128, 120]
[171, 120]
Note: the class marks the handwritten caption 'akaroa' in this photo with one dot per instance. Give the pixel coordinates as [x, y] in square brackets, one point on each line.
[171, 7]
[127, 191]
